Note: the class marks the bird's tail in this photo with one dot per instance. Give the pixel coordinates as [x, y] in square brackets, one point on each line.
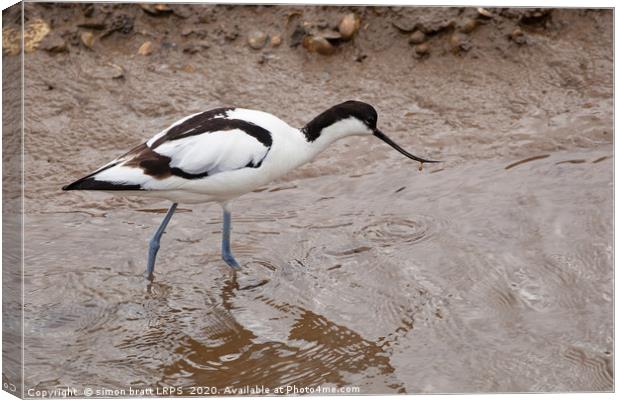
[96, 181]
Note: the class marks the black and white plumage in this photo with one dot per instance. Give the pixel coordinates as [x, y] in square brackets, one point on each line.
[221, 154]
[185, 156]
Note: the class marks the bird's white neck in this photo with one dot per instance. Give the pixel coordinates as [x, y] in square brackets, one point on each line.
[319, 141]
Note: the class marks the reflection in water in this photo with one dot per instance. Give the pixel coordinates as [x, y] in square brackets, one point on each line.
[317, 351]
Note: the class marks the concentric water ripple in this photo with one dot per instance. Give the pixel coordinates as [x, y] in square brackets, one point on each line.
[393, 230]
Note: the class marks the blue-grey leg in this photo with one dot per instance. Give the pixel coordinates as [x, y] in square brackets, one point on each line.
[226, 253]
[154, 243]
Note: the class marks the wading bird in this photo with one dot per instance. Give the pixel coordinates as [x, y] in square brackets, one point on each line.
[221, 154]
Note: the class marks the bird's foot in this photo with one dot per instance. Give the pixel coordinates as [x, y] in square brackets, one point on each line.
[230, 260]
[148, 275]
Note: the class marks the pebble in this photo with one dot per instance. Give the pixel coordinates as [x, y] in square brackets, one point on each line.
[54, 44]
[349, 25]
[518, 36]
[318, 44]
[276, 40]
[146, 48]
[88, 39]
[182, 11]
[422, 49]
[162, 8]
[106, 71]
[186, 31]
[115, 71]
[459, 42]
[34, 33]
[404, 25]
[257, 40]
[417, 37]
[483, 12]
[468, 26]
[155, 9]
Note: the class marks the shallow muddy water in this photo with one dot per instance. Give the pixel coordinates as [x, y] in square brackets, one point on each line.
[471, 279]
[489, 272]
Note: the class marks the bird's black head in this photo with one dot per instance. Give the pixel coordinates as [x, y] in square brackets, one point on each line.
[359, 110]
[347, 111]
[347, 119]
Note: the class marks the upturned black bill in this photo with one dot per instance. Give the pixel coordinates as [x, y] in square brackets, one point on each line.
[402, 151]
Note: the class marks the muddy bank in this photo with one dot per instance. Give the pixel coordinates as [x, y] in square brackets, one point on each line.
[497, 99]
[478, 274]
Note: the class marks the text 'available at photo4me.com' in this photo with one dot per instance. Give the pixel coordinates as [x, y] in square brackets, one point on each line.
[190, 391]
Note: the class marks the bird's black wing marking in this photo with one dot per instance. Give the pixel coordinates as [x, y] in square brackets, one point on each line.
[213, 121]
[159, 166]
[208, 122]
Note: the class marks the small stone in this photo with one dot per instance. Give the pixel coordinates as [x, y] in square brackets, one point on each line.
[155, 9]
[276, 40]
[34, 33]
[422, 49]
[148, 8]
[54, 44]
[483, 12]
[417, 37]
[455, 40]
[88, 39]
[518, 36]
[116, 71]
[106, 71]
[182, 11]
[404, 25]
[162, 8]
[188, 30]
[468, 26]
[459, 42]
[349, 25]
[257, 40]
[146, 48]
[318, 44]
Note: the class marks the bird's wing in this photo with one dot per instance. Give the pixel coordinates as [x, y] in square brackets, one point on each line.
[195, 147]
